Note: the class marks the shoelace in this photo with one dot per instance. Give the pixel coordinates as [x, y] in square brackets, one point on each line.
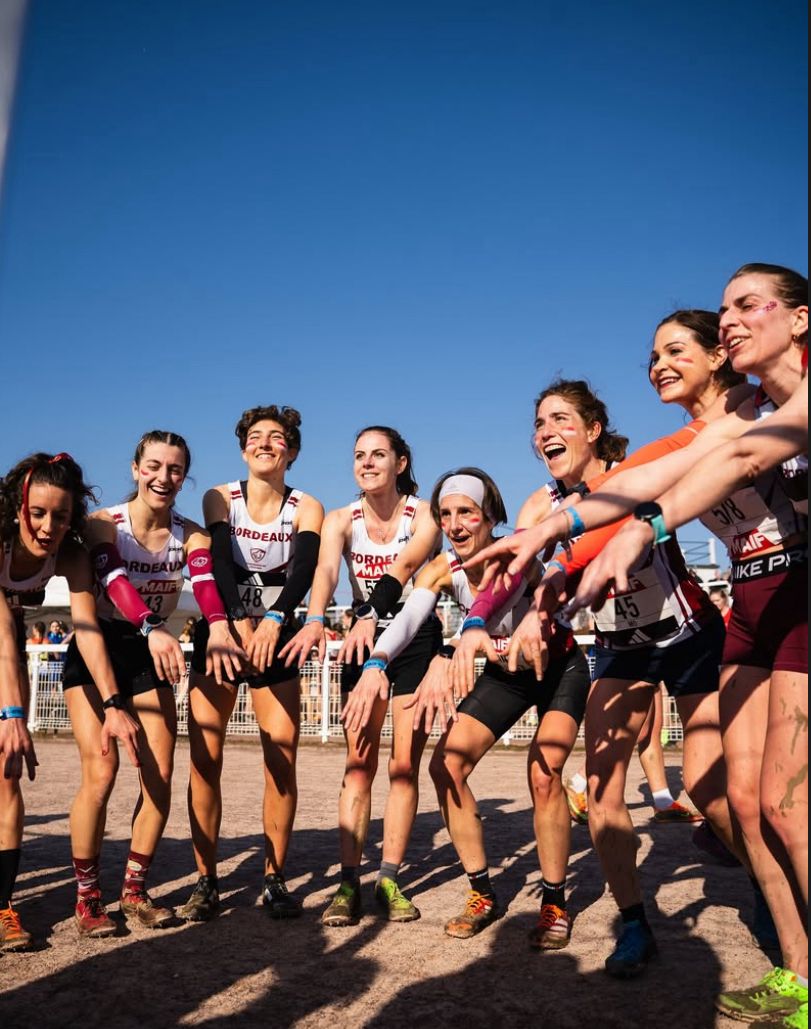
[10, 920]
[477, 903]
[549, 916]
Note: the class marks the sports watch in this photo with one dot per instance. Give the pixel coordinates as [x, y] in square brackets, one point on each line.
[116, 701]
[649, 511]
[363, 612]
[150, 622]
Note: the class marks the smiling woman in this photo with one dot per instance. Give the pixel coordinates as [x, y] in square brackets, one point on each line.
[43, 508]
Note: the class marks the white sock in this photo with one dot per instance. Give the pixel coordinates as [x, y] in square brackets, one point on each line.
[802, 981]
[578, 782]
[662, 799]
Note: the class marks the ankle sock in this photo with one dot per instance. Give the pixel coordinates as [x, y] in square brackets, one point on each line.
[480, 882]
[554, 893]
[9, 867]
[350, 874]
[634, 913]
[662, 799]
[86, 871]
[388, 870]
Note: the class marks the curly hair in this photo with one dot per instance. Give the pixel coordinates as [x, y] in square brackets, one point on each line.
[288, 417]
[58, 470]
[611, 446]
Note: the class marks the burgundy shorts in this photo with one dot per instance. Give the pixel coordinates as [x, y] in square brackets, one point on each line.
[769, 623]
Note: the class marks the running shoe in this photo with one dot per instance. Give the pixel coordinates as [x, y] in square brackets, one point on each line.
[204, 902]
[345, 907]
[705, 839]
[634, 950]
[578, 805]
[799, 1020]
[479, 912]
[392, 902]
[92, 919]
[278, 900]
[677, 814]
[137, 906]
[12, 934]
[554, 929]
[777, 994]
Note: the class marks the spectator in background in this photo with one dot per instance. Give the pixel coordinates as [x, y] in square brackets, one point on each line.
[37, 634]
[56, 632]
[720, 597]
[186, 634]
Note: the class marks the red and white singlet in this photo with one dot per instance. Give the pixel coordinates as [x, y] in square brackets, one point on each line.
[665, 604]
[503, 623]
[22, 593]
[367, 561]
[157, 576]
[261, 553]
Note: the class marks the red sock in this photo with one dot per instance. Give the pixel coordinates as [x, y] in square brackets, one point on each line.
[86, 871]
[135, 873]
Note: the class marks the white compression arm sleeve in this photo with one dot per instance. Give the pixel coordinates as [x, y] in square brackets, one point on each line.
[419, 605]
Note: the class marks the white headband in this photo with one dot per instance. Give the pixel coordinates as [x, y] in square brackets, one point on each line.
[466, 485]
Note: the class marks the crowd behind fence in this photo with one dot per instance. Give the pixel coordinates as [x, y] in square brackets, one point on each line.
[320, 701]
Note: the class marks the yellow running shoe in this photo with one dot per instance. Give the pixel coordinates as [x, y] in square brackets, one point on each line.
[777, 995]
[578, 805]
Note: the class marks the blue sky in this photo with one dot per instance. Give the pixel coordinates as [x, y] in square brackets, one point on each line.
[409, 213]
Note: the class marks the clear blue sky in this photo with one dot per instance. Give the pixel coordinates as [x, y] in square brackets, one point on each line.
[411, 213]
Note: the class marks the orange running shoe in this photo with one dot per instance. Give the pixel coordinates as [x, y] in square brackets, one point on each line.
[12, 934]
[479, 912]
[677, 814]
[554, 929]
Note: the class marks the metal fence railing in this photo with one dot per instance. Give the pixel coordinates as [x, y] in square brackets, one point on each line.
[320, 701]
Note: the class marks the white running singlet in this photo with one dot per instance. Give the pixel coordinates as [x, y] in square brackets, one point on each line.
[157, 576]
[261, 553]
[503, 623]
[29, 592]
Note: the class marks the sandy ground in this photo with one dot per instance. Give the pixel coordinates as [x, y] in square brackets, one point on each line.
[244, 969]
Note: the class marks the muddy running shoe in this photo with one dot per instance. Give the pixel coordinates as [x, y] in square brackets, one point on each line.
[479, 912]
[278, 901]
[634, 950]
[677, 814]
[91, 918]
[204, 902]
[776, 996]
[394, 905]
[799, 1020]
[12, 934]
[554, 929]
[344, 908]
[138, 907]
[578, 805]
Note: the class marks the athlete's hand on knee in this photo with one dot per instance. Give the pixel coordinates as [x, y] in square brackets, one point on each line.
[310, 637]
[120, 725]
[167, 655]
[263, 643]
[359, 642]
[17, 749]
[373, 685]
[463, 665]
[224, 656]
[626, 552]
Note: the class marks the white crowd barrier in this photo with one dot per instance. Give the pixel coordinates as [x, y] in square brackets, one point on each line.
[320, 701]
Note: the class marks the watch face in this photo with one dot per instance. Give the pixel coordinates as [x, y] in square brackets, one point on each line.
[154, 620]
[364, 611]
[647, 510]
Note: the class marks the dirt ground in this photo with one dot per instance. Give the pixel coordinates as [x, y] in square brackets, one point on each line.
[246, 970]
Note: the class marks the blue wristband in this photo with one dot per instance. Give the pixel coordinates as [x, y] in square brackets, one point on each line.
[473, 623]
[314, 618]
[375, 662]
[12, 712]
[558, 565]
[578, 526]
[275, 616]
